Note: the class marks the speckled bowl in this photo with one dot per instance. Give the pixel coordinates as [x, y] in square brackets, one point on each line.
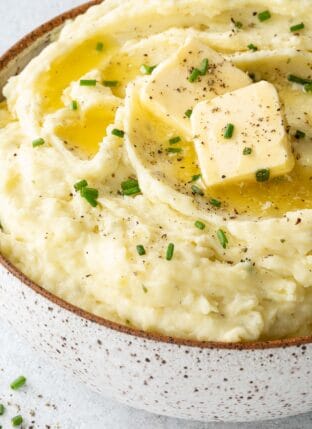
[188, 379]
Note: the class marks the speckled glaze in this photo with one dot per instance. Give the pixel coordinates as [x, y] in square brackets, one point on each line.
[186, 379]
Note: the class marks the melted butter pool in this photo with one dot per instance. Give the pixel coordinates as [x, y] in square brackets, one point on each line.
[273, 198]
[84, 135]
[70, 67]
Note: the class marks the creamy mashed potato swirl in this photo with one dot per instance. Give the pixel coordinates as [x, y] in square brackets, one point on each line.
[102, 197]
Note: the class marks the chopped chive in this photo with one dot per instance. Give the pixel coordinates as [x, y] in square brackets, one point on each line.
[130, 183]
[214, 202]
[74, 105]
[298, 79]
[147, 69]
[110, 83]
[297, 27]
[228, 132]
[2, 409]
[203, 68]
[196, 177]
[130, 187]
[145, 290]
[252, 47]
[196, 190]
[91, 195]
[199, 225]
[308, 87]
[99, 46]
[173, 150]
[188, 113]
[263, 16]
[88, 82]
[170, 251]
[222, 238]
[194, 75]
[80, 185]
[118, 133]
[299, 135]
[247, 150]
[18, 383]
[17, 421]
[263, 175]
[140, 249]
[131, 191]
[174, 140]
[38, 142]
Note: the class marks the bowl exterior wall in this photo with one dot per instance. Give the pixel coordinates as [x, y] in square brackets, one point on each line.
[181, 381]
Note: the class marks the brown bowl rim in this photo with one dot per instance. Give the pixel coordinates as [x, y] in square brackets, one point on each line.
[5, 59]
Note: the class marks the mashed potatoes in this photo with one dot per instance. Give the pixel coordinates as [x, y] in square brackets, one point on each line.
[105, 167]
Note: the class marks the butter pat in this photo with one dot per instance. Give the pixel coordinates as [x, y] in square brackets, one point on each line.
[255, 112]
[169, 93]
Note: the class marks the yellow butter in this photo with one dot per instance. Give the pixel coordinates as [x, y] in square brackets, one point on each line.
[255, 112]
[169, 93]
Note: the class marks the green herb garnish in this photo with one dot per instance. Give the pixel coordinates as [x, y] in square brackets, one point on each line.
[91, 195]
[174, 140]
[196, 177]
[74, 105]
[99, 46]
[194, 75]
[297, 27]
[214, 202]
[2, 409]
[110, 83]
[228, 132]
[170, 251]
[147, 69]
[299, 135]
[18, 383]
[200, 71]
[199, 225]
[264, 16]
[128, 184]
[188, 113]
[17, 421]
[88, 82]
[173, 150]
[222, 238]
[263, 175]
[38, 142]
[238, 24]
[118, 133]
[145, 290]
[196, 190]
[140, 249]
[298, 79]
[252, 47]
[130, 187]
[308, 87]
[203, 68]
[80, 185]
[247, 150]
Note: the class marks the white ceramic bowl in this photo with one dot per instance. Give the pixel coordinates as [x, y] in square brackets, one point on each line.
[186, 379]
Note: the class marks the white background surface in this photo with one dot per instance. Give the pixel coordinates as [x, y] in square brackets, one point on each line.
[52, 398]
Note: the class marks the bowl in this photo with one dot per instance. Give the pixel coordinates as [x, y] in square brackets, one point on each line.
[206, 381]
